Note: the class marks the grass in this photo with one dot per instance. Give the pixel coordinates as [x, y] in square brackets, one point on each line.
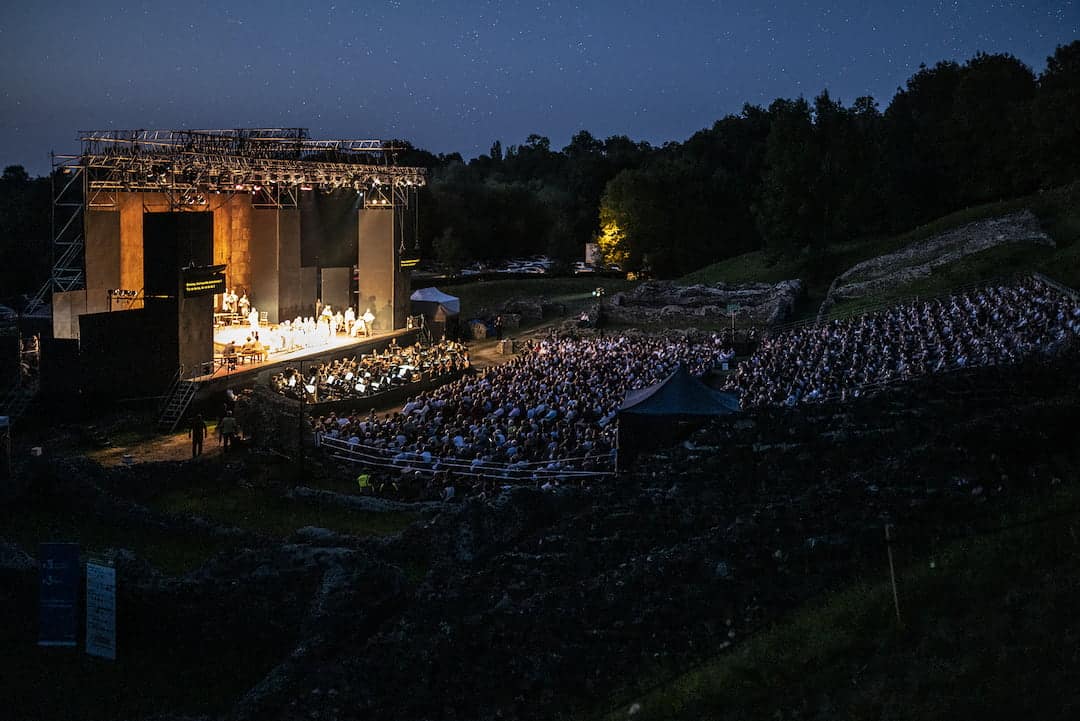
[990, 631]
[1058, 211]
[266, 511]
[151, 674]
[172, 553]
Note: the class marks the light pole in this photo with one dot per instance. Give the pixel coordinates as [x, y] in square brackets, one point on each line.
[303, 402]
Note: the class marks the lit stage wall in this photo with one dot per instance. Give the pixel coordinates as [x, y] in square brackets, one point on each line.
[136, 353]
[335, 288]
[272, 255]
[377, 266]
[102, 235]
[232, 223]
[275, 265]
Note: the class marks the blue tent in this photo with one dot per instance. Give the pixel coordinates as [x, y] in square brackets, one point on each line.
[680, 403]
[680, 394]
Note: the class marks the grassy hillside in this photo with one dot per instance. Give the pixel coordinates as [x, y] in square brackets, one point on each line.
[1058, 211]
[989, 631]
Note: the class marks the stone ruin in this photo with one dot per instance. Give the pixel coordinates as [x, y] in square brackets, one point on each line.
[671, 305]
[918, 260]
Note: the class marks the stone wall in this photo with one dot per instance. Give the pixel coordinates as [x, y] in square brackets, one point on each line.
[663, 302]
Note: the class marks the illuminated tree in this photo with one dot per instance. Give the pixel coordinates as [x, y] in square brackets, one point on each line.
[614, 246]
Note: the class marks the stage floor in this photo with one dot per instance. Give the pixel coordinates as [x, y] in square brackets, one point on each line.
[336, 346]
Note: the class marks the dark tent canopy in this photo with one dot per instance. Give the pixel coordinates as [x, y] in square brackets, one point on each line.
[680, 398]
[680, 394]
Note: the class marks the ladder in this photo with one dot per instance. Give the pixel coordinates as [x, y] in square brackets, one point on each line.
[180, 396]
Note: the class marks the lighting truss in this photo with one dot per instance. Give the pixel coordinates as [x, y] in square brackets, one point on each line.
[193, 161]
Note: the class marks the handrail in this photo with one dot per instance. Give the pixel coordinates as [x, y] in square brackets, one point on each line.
[383, 458]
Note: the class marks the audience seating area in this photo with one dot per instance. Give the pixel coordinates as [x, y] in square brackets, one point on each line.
[550, 413]
[998, 324]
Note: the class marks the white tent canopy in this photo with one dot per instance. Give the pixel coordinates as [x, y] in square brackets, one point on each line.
[437, 297]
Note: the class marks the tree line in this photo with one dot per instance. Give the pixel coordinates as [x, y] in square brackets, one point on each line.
[794, 177]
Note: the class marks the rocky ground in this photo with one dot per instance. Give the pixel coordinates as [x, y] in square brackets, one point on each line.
[884, 272]
[541, 605]
[671, 305]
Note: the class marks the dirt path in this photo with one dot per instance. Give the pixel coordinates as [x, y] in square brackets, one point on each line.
[172, 447]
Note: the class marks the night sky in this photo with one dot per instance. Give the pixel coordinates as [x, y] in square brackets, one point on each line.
[454, 76]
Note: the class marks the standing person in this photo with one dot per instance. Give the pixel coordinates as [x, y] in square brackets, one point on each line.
[498, 327]
[197, 433]
[350, 318]
[227, 430]
[244, 304]
[368, 319]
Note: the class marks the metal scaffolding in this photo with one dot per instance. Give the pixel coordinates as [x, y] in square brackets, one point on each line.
[273, 165]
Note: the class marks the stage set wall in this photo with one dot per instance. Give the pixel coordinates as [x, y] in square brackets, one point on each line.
[382, 286]
[59, 368]
[275, 264]
[335, 288]
[69, 305]
[136, 353]
[267, 253]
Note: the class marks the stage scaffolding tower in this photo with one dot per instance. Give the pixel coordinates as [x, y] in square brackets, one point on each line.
[273, 165]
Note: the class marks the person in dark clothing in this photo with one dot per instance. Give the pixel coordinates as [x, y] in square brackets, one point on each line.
[197, 432]
[498, 327]
[227, 429]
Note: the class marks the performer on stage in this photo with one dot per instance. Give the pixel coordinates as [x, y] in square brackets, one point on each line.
[350, 319]
[368, 318]
[244, 304]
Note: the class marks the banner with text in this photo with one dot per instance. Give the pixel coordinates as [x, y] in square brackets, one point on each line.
[101, 610]
[204, 280]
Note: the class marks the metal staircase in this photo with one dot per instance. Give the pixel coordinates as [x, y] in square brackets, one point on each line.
[176, 403]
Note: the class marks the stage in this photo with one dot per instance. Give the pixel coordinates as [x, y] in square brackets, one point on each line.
[249, 372]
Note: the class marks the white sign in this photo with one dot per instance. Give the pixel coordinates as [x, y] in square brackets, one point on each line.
[592, 254]
[101, 611]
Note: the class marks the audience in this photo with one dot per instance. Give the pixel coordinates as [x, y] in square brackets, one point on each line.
[551, 409]
[993, 325]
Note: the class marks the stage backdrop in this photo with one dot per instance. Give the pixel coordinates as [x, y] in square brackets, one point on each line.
[383, 287]
[275, 264]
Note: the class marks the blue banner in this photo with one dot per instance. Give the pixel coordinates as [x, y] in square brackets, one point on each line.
[59, 622]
